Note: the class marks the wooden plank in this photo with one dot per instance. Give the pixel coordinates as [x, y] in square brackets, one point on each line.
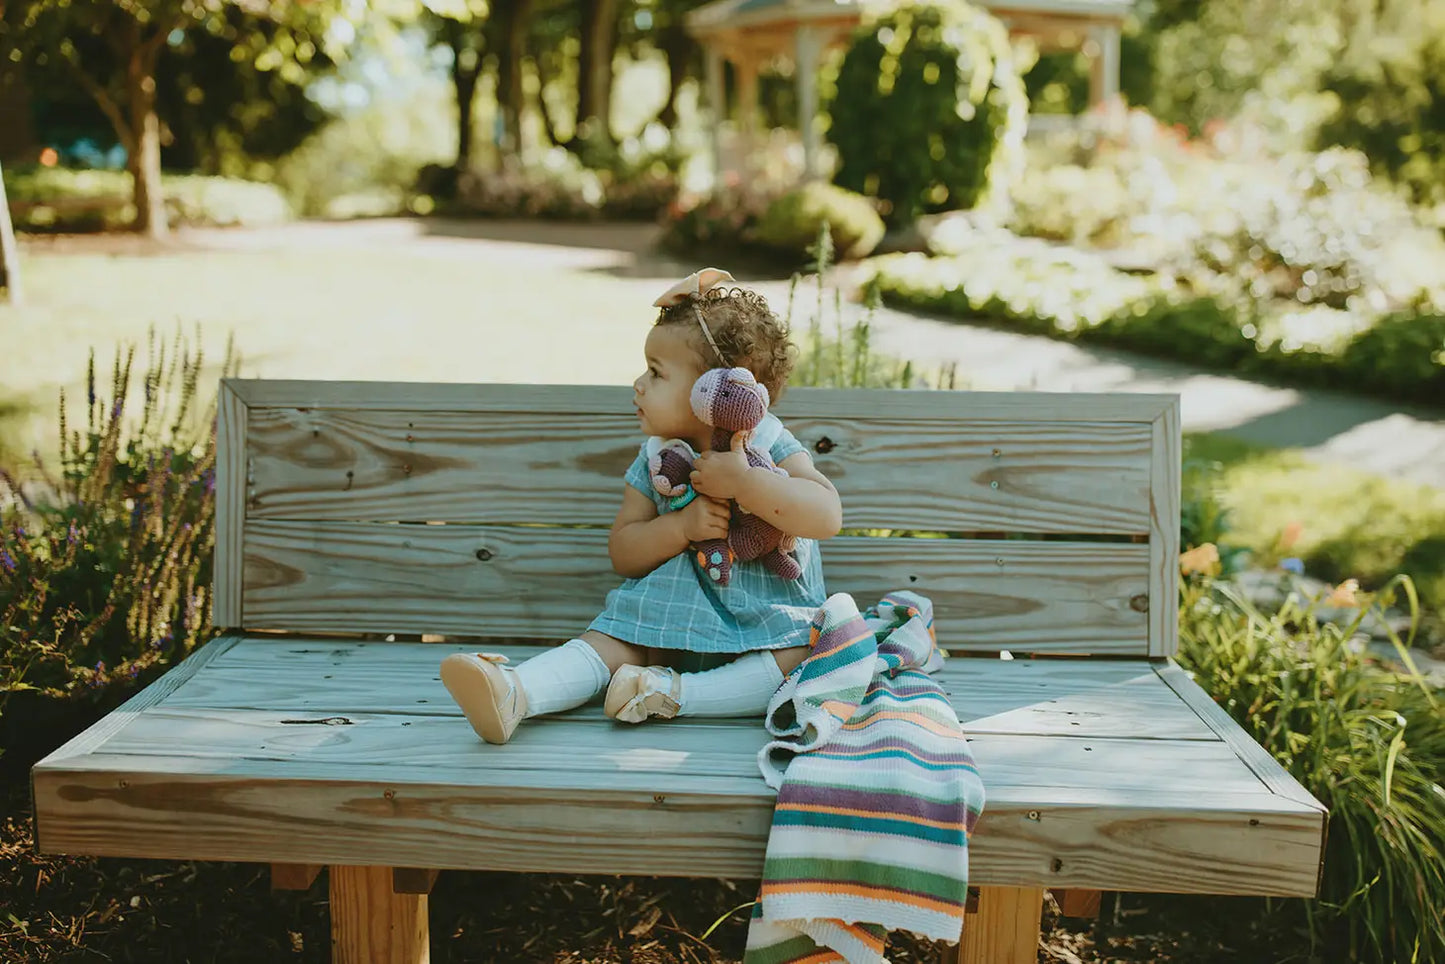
[387, 466]
[113, 722]
[325, 678]
[413, 880]
[597, 749]
[204, 809]
[231, 485]
[838, 403]
[540, 582]
[1078, 903]
[1006, 928]
[294, 876]
[371, 924]
[1164, 506]
[1254, 756]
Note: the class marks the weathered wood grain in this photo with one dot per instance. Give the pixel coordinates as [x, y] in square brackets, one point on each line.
[326, 678]
[231, 473]
[1164, 512]
[372, 924]
[206, 809]
[596, 749]
[540, 582]
[1078, 903]
[1006, 928]
[386, 466]
[824, 402]
[294, 876]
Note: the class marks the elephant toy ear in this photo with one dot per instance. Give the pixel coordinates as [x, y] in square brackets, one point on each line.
[692, 286]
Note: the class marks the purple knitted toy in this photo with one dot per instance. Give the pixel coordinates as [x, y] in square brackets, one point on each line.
[732, 401]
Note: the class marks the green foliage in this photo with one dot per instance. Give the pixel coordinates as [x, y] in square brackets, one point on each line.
[106, 575]
[1343, 523]
[843, 357]
[721, 221]
[366, 162]
[928, 109]
[1367, 742]
[791, 223]
[1388, 89]
[59, 199]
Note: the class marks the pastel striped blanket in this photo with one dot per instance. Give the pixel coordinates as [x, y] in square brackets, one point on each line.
[877, 792]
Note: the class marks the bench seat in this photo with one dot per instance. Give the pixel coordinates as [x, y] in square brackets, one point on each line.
[1108, 774]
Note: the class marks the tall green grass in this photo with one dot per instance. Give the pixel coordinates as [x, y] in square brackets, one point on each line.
[1367, 741]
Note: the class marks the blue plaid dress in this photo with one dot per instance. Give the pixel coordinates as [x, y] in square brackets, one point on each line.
[677, 607]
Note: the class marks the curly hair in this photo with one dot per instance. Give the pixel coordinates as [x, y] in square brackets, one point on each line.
[747, 332]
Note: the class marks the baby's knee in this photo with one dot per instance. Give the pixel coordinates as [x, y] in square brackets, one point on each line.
[614, 652]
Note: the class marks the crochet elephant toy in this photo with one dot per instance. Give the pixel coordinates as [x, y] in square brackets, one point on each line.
[731, 401]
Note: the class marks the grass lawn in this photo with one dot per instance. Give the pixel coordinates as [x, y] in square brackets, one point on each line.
[473, 313]
[1350, 524]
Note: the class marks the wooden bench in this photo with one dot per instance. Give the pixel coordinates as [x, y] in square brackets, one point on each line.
[346, 512]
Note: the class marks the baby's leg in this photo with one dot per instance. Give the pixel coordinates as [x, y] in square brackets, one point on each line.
[495, 698]
[740, 688]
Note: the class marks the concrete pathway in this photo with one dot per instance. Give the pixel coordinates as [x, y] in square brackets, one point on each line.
[614, 267]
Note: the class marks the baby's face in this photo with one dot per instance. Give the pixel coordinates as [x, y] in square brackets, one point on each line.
[662, 393]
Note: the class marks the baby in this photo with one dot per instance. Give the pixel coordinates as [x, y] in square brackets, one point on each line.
[668, 608]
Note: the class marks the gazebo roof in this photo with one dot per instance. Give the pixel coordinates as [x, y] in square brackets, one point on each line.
[736, 14]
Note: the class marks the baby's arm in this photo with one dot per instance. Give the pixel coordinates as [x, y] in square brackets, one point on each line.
[642, 540]
[802, 503]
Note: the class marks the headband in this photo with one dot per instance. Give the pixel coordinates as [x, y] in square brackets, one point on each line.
[693, 286]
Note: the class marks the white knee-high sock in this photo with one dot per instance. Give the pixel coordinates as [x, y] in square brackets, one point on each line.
[741, 688]
[562, 678]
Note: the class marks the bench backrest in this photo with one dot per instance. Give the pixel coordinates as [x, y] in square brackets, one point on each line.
[482, 510]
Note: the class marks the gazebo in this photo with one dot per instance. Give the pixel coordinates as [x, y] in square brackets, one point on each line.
[754, 35]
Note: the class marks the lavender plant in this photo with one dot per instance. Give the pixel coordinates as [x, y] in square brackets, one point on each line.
[105, 561]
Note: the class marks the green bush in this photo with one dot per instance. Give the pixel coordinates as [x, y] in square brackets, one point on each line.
[60, 199]
[366, 163]
[791, 223]
[558, 188]
[928, 109]
[1367, 742]
[721, 221]
[1025, 284]
[105, 577]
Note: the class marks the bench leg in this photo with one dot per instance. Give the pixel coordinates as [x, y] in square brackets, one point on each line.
[371, 924]
[1006, 928]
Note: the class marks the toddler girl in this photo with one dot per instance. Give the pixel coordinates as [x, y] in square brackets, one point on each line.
[668, 607]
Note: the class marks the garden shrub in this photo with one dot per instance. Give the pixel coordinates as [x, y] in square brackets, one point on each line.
[928, 109]
[1367, 742]
[791, 223]
[1030, 286]
[105, 565]
[62, 199]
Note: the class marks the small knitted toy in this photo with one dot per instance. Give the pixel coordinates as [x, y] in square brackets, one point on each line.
[733, 402]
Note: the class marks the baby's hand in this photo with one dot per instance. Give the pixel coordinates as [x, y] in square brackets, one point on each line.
[704, 519]
[721, 474]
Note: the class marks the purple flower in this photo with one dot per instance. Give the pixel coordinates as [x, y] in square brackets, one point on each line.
[1293, 565]
[7, 560]
[71, 535]
[209, 477]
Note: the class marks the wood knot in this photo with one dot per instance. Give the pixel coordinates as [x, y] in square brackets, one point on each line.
[484, 554]
[1139, 603]
[824, 445]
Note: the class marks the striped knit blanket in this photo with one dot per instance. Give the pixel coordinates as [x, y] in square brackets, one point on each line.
[877, 792]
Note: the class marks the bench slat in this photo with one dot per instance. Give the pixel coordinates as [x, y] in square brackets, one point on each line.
[321, 679]
[899, 472]
[364, 577]
[597, 749]
[200, 808]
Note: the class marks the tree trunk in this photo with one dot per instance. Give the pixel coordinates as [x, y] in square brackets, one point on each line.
[145, 126]
[513, 18]
[594, 68]
[466, 69]
[678, 48]
[9, 256]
